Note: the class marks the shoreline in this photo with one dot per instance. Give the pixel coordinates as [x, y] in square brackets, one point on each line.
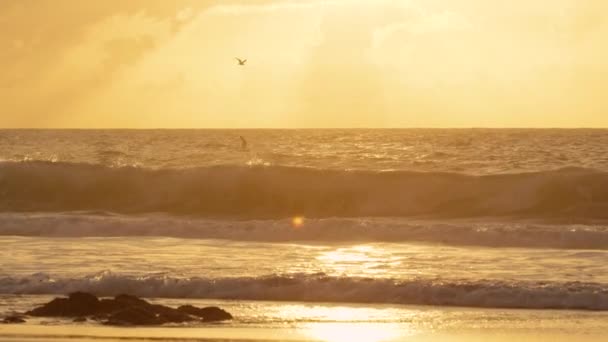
[296, 321]
[314, 332]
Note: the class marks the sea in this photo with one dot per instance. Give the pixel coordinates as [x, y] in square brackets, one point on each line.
[312, 235]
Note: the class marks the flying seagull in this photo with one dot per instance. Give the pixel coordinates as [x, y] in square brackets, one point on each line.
[241, 61]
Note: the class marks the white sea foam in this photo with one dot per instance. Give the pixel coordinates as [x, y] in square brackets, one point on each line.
[323, 288]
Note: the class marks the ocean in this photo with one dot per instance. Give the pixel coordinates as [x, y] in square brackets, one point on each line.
[312, 235]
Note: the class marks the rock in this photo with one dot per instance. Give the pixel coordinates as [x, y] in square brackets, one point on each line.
[84, 298]
[120, 302]
[61, 307]
[13, 320]
[174, 316]
[125, 310]
[147, 314]
[128, 300]
[215, 314]
[135, 315]
[208, 314]
[191, 310]
[77, 304]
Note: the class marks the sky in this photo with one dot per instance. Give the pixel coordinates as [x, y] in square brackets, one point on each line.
[311, 63]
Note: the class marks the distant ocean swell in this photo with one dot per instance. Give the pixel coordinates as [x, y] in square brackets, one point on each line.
[332, 230]
[323, 288]
[279, 192]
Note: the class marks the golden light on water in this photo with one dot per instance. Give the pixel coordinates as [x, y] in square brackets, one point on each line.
[361, 260]
[353, 332]
[355, 254]
[346, 323]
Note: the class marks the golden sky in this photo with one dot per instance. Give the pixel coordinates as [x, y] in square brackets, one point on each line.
[311, 63]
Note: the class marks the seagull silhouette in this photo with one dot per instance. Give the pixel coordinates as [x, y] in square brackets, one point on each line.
[241, 61]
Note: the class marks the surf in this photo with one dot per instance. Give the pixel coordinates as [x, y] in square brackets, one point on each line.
[326, 230]
[271, 192]
[330, 289]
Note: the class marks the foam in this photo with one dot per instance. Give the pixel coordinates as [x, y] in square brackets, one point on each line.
[323, 288]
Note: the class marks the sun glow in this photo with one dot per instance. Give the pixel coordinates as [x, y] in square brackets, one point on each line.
[169, 64]
[346, 323]
[357, 260]
[297, 221]
[353, 332]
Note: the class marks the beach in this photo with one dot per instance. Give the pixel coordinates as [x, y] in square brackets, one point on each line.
[293, 321]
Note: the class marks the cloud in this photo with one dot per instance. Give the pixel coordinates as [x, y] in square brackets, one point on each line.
[312, 62]
[191, 77]
[418, 22]
[253, 8]
[60, 51]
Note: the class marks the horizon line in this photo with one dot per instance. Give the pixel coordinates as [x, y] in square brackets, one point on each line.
[292, 128]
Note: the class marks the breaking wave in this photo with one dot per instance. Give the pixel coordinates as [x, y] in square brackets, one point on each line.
[279, 192]
[323, 288]
[332, 230]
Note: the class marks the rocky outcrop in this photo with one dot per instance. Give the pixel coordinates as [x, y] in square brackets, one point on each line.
[135, 315]
[125, 310]
[208, 314]
[77, 304]
[13, 320]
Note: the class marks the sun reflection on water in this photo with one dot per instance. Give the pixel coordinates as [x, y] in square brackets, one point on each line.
[357, 260]
[352, 332]
[347, 323]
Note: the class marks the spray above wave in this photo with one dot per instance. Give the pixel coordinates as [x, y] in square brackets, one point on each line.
[332, 230]
[277, 192]
[323, 288]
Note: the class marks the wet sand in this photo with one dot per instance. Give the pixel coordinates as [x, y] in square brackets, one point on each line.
[584, 330]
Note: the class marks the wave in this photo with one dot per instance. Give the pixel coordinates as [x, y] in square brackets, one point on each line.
[323, 288]
[279, 192]
[330, 230]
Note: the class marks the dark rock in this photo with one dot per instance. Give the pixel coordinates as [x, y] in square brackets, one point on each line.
[134, 315]
[119, 303]
[125, 310]
[191, 310]
[84, 298]
[128, 300]
[208, 314]
[214, 314]
[108, 305]
[77, 304]
[59, 307]
[13, 320]
[174, 316]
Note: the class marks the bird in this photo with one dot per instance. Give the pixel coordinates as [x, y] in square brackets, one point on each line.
[241, 61]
